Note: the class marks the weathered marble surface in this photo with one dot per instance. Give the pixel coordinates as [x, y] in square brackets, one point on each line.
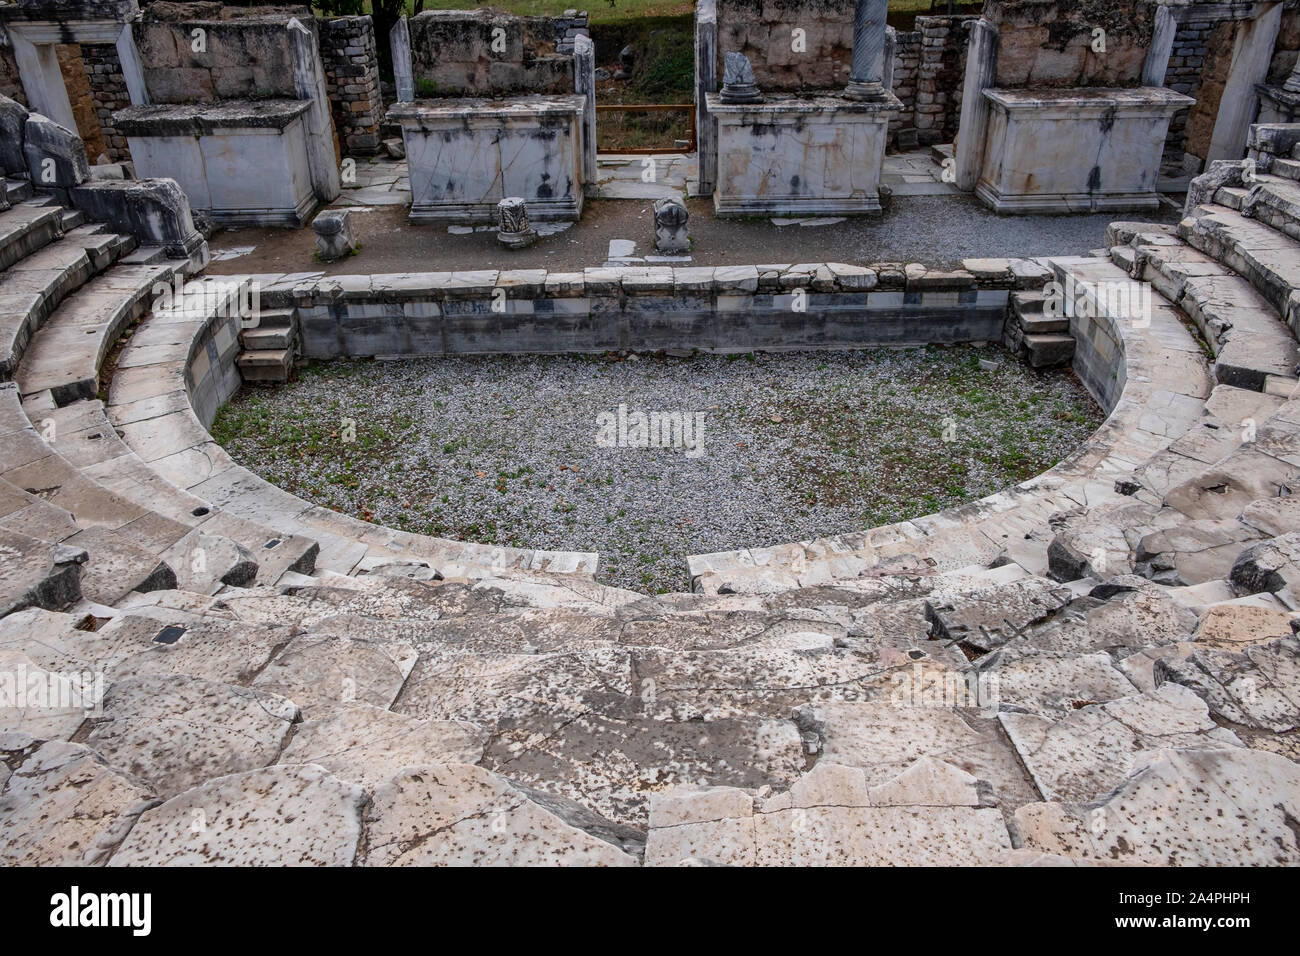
[1083, 150]
[467, 155]
[800, 156]
[209, 151]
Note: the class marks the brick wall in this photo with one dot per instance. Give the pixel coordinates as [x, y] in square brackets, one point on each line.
[1186, 68]
[568, 26]
[108, 89]
[349, 55]
[929, 69]
[940, 75]
[907, 60]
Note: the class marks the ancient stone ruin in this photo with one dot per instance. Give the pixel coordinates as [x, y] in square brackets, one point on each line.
[1098, 664]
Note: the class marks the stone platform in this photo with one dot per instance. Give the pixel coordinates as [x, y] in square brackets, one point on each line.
[817, 155]
[244, 163]
[467, 155]
[1075, 150]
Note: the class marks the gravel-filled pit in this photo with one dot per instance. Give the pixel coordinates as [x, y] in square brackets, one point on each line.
[532, 451]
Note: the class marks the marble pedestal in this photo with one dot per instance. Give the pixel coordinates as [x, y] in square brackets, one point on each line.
[818, 155]
[1075, 150]
[242, 162]
[1278, 105]
[466, 155]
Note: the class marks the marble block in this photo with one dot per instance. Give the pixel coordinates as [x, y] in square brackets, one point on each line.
[818, 155]
[1277, 105]
[242, 162]
[466, 155]
[1075, 150]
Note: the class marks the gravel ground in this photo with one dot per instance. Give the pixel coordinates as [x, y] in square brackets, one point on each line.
[936, 230]
[504, 449]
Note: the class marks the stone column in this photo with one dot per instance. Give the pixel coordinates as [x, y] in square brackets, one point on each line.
[867, 76]
[584, 84]
[706, 82]
[1162, 46]
[399, 41]
[981, 73]
[309, 84]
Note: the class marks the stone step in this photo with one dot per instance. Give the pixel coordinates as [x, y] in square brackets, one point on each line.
[1027, 303]
[90, 442]
[1254, 250]
[1231, 196]
[1275, 201]
[1287, 168]
[72, 218]
[32, 288]
[277, 319]
[35, 573]
[265, 365]
[1246, 335]
[145, 256]
[24, 228]
[17, 190]
[65, 356]
[1047, 350]
[1043, 324]
[262, 339]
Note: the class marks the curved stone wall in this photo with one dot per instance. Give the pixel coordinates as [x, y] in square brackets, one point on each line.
[1123, 360]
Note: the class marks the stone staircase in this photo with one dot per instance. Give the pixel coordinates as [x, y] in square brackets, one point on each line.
[270, 348]
[1097, 666]
[1037, 335]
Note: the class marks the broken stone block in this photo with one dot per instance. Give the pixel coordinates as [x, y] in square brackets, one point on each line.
[990, 617]
[1272, 565]
[1045, 682]
[395, 147]
[334, 234]
[460, 815]
[32, 573]
[279, 816]
[1233, 807]
[63, 805]
[155, 211]
[204, 563]
[13, 117]
[670, 227]
[1231, 627]
[56, 156]
[1253, 687]
[175, 732]
[513, 230]
[116, 567]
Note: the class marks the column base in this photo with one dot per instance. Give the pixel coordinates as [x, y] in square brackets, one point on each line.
[869, 91]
